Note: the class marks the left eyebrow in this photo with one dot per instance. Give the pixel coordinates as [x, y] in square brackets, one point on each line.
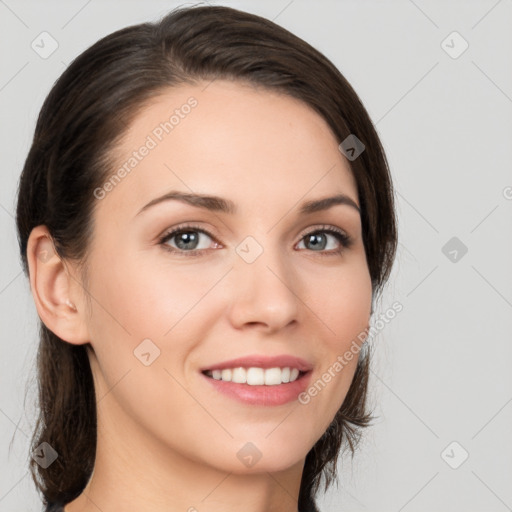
[216, 203]
[318, 205]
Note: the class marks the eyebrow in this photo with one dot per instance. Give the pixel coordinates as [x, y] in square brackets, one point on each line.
[219, 204]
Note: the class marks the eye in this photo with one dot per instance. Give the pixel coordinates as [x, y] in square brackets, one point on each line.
[319, 241]
[188, 239]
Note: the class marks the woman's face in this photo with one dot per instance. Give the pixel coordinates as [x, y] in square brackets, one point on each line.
[249, 276]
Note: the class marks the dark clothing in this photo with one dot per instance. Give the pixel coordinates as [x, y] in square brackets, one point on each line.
[54, 507]
[58, 507]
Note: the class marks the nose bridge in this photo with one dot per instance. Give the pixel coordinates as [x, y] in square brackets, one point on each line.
[264, 285]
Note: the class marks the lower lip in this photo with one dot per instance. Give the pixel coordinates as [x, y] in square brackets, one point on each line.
[262, 395]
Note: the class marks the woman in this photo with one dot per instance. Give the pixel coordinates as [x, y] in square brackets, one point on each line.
[205, 216]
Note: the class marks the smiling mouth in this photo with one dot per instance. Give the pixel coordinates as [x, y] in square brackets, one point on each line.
[255, 376]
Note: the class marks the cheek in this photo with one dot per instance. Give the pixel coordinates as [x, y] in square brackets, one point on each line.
[136, 302]
[343, 304]
[342, 300]
[147, 296]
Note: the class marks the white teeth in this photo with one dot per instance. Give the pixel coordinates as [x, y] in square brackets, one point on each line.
[226, 375]
[239, 375]
[273, 376]
[256, 376]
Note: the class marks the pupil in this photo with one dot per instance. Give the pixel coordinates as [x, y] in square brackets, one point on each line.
[187, 237]
[313, 239]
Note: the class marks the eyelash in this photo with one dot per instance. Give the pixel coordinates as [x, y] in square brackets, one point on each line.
[345, 240]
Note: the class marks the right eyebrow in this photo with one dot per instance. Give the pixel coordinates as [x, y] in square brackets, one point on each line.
[213, 203]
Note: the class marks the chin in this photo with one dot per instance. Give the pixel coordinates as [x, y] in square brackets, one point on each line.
[262, 455]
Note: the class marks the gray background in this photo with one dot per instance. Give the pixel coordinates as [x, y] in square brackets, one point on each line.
[442, 367]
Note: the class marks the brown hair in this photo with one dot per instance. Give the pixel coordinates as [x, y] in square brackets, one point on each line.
[83, 118]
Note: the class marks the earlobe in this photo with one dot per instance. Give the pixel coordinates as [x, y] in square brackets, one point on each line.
[52, 289]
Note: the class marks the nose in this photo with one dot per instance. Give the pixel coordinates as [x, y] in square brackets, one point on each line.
[263, 293]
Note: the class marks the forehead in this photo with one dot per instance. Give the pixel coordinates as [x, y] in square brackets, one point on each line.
[255, 146]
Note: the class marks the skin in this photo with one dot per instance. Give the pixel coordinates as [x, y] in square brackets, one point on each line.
[167, 441]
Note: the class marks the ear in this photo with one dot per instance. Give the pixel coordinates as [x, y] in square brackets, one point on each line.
[57, 294]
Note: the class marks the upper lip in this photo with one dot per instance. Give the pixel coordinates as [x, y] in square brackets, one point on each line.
[263, 361]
